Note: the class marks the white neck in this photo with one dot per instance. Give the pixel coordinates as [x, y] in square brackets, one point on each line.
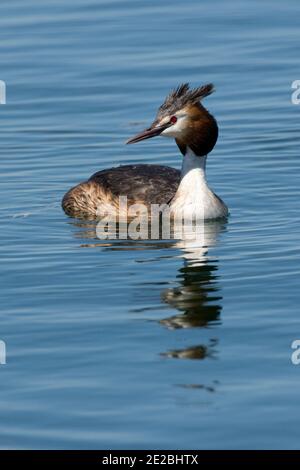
[193, 167]
[193, 196]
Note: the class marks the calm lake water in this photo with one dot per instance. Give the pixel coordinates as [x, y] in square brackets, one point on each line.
[148, 344]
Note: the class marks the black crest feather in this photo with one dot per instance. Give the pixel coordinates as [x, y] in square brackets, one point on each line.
[183, 96]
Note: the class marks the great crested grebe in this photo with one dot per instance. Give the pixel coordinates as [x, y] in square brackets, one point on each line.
[195, 130]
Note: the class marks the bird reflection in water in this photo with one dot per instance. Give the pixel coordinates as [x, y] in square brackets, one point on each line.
[196, 298]
[194, 352]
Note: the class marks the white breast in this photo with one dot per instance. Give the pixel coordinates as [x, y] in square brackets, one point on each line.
[194, 198]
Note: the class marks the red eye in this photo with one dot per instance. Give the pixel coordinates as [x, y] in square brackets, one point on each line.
[173, 119]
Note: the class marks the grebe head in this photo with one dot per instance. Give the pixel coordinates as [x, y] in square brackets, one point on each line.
[183, 117]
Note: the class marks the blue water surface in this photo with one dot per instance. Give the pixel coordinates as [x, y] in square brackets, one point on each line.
[148, 344]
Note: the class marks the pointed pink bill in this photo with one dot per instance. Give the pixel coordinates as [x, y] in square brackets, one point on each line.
[147, 134]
